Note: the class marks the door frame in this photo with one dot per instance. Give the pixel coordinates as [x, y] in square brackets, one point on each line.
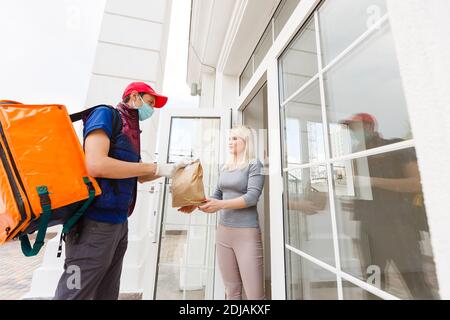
[164, 134]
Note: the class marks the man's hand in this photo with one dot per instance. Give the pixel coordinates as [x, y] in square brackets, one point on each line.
[363, 181]
[211, 206]
[187, 209]
[168, 169]
[146, 178]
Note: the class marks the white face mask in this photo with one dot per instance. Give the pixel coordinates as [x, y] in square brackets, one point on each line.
[145, 110]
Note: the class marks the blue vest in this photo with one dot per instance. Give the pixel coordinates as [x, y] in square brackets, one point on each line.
[118, 197]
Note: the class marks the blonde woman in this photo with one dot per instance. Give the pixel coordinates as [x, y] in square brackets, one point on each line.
[238, 237]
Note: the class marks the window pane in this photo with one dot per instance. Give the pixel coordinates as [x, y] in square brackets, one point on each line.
[192, 281]
[343, 21]
[263, 46]
[246, 75]
[283, 13]
[186, 261]
[194, 138]
[382, 224]
[308, 220]
[173, 242]
[307, 281]
[299, 61]
[365, 102]
[353, 292]
[304, 139]
[168, 284]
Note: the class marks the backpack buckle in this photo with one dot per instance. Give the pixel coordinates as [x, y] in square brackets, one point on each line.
[43, 196]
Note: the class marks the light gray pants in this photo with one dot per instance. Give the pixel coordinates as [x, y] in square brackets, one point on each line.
[240, 258]
[93, 262]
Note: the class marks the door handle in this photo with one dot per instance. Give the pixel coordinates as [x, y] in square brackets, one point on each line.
[157, 209]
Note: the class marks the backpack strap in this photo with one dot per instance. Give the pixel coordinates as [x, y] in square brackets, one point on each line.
[116, 119]
[46, 205]
[76, 217]
[117, 125]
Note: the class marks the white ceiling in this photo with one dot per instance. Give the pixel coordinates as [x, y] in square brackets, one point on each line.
[230, 28]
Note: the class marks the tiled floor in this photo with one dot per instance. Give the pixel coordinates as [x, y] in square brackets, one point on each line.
[168, 286]
[16, 270]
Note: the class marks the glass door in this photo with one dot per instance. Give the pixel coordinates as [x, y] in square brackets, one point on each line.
[185, 262]
[254, 116]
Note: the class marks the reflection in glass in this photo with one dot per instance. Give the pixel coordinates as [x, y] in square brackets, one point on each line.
[382, 224]
[304, 139]
[308, 220]
[308, 281]
[365, 97]
[343, 21]
[298, 63]
[353, 292]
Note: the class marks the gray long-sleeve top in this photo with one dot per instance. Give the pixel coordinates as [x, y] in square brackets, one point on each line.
[247, 183]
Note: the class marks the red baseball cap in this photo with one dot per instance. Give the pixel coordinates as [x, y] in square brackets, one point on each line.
[142, 87]
[360, 117]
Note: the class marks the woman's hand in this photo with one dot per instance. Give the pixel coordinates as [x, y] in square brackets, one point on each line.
[187, 209]
[212, 205]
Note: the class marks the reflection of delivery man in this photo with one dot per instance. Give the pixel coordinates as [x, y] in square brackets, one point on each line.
[96, 247]
[391, 222]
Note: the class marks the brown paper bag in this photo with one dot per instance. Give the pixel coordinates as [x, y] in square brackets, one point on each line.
[187, 186]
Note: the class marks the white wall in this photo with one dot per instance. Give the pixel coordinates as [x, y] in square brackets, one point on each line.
[421, 31]
[131, 46]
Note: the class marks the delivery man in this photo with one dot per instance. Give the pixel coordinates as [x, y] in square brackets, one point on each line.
[391, 222]
[96, 246]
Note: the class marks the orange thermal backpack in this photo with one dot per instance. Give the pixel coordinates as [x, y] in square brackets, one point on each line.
[43, 177]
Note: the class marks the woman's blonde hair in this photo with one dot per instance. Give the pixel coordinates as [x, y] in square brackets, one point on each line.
[246, 134]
